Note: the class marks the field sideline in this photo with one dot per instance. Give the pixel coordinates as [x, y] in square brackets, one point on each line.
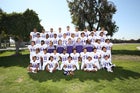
[125, 78]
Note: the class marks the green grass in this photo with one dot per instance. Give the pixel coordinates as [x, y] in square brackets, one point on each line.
[124, 79]
[126, 49]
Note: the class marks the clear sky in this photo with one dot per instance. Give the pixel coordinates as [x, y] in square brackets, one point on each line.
[55, 13]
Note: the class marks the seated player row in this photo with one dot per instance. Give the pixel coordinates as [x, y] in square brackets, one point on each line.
[78, 45]
[90, 61]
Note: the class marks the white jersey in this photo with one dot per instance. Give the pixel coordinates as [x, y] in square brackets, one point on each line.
[37, 40]
[33, 35]
[70, 65]
[34, 63]
[89, 64]
[95, 33]
[38, 55]
[55, 41]
[51, 64]
[75, 56]
[103, 54]
[86, 33]
[84, 56]
[64, 41]
[55, 56]
[73, 40]
[47, 41]
[64, 57]
[51, 34]
[43, 35]
[98, 47]
[95, 56]
[77, 34]
[92, 39]
[106, 63]
[45, 57]
[42, 47]
[60, 35]
[108, 46]
[102, 38]
[83, 40]
[68, 33]
[32, 49]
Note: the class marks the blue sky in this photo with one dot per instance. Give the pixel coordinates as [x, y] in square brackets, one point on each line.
[54, 13]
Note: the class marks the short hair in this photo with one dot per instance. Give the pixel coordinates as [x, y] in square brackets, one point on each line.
[103, 47]
[69, 57]
[50, 57]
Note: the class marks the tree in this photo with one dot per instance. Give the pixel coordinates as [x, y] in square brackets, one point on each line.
[93, 14]
[19, 25]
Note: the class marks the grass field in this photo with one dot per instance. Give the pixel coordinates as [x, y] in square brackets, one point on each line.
[125, 78]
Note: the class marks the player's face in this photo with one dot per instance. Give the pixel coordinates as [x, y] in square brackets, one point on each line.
[101, 34]
[98, 41]
[85, 50]
[85, 30]
[69, 59]
[35, 30]
[79, 40]
[54, 51]
[64, 35]
[34, 58]
[68, 28]
[74, 51]
[64, 51]
[37, 50]
[89, 58]
[92, 34]
[38, 35]
[76, 29]
[55, 35]
[47, 36]
[60, 42]
[51, 43]
[73, 35]
[42, 43]
[95, 50]
[45, 51]
[103, 29]
[32, 43]
[59, 29]
[51, 58]
[108, 41]
[51, 30]
[43, 31]
[106, 57]
[69, 40]
[82, 35]
[104, 49]
[94, 30]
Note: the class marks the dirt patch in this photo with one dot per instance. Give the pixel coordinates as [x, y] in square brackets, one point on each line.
[20, 79]
[138, 47]
[126, 57]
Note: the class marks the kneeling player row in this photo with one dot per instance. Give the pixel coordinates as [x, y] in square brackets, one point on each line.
[70, 66]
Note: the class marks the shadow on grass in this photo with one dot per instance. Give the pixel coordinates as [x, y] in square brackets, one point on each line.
[119, 73]
[42, 76]
[126, 52]
[20, 60]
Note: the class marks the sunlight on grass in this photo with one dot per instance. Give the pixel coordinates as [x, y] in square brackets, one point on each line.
[125, 46]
